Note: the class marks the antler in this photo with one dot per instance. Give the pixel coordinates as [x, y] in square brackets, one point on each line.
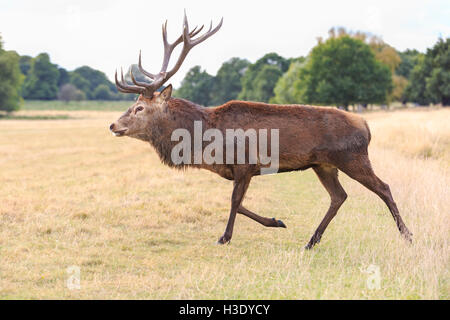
[147, 89]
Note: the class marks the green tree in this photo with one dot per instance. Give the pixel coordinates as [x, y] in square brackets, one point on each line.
[196, 87]
[87, 80]
[438, 83]
[80, 83]
[343, 71]
[416, 91]
[227, 82]
[265, 82]
[390, 57]
[64, 77]
[409, 60]
[253, 82]
[288, 89]
[430, 77]
[41, 82]
[10, 80]
[384, 53]
[102, 92]
[25, 64]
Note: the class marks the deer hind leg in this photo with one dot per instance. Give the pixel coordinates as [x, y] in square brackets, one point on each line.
[267, 222]
[361, 170]
[328, 176]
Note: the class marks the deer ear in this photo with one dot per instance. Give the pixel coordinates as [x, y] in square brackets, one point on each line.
[166, 93]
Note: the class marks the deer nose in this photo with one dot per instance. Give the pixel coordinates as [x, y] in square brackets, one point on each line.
[111, 127]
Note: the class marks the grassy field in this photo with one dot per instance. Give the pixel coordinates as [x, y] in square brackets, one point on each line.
[90, 105]
[71, 194]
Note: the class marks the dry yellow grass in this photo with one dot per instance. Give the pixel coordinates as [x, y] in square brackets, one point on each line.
[71, 194]
[421, 132]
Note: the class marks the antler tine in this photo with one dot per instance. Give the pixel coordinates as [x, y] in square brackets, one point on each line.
[148, 74]
[207, 34]
[122, 87]
[185, 22]
[129, 87]
[138, 83]
[190, 43]
[168, 48]
[180, 38]
[193, 33]
[164, 34]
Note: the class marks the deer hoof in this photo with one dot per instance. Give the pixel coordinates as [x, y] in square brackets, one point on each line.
[223, 240]
[279, 223]
[312, 243]
[408, 236]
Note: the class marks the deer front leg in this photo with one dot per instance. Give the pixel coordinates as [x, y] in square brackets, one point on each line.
[240, 187]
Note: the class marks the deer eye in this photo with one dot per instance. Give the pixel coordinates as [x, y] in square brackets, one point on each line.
[140, 108]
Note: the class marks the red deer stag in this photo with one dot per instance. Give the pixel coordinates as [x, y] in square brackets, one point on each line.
[321, 138]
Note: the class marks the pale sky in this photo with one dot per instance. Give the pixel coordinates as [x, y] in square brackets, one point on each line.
[108, 34]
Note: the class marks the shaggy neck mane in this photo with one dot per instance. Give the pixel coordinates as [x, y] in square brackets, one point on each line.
[179, 114]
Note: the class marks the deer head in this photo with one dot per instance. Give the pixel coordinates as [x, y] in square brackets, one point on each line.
[140, 115]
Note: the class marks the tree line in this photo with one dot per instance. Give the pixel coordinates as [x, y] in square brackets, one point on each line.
[37, 78]
[348, 68]
[44, 80]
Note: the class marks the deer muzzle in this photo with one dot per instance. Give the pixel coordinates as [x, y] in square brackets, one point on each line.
[117, 132]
